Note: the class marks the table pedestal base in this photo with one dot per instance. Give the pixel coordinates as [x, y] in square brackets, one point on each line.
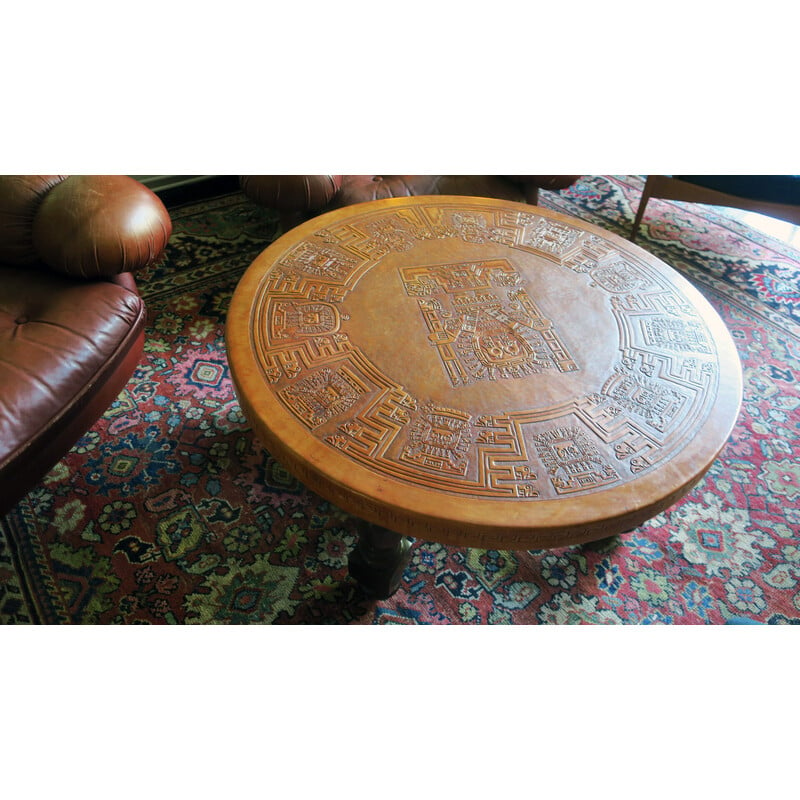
[379, 559]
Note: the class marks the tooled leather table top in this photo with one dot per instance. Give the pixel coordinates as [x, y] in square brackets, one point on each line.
[480, 372]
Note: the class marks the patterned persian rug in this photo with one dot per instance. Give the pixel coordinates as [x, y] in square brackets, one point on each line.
[168, 511]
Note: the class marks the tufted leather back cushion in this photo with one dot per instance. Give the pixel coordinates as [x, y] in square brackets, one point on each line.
[362, 188]
[92, 226]
[20, 198]
[291, 192]
[297, 196]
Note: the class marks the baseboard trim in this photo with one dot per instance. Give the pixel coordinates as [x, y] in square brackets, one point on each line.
[176, 190]
[161, 183]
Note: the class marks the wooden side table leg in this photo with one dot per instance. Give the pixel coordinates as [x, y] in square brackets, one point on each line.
[603, 545]
[607, 543]
[379, 559]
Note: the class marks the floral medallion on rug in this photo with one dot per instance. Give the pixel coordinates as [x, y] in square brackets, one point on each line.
[169, 511]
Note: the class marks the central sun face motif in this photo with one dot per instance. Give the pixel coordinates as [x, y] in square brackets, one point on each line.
[484, 322]
[501, 348]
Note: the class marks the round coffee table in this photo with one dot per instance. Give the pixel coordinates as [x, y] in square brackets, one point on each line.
[479, 373]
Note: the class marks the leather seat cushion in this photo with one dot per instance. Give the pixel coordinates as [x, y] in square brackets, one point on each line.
[58, 338]
[362, 188]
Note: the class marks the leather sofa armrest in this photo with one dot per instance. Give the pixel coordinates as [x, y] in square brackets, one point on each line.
[95, 226]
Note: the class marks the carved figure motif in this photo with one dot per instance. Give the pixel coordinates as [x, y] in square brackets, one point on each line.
[620, 276]
[391, 234]
[291, 319]
[440, 439]
[548, 236]
[309, 258]
[659, 405]
[679, 335]
[573, 463]
[483, 329]
[323, 395]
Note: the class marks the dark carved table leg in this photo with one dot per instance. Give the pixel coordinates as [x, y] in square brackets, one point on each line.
[379, 559]
[603, 545]
[607, 543]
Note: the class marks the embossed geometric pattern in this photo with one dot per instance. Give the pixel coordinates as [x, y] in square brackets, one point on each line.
[480, 349]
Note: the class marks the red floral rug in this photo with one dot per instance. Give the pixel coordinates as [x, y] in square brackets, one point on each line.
[168, 510]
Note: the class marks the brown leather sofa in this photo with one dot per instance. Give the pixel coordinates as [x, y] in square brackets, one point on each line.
[71, 318]
[298, 197]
